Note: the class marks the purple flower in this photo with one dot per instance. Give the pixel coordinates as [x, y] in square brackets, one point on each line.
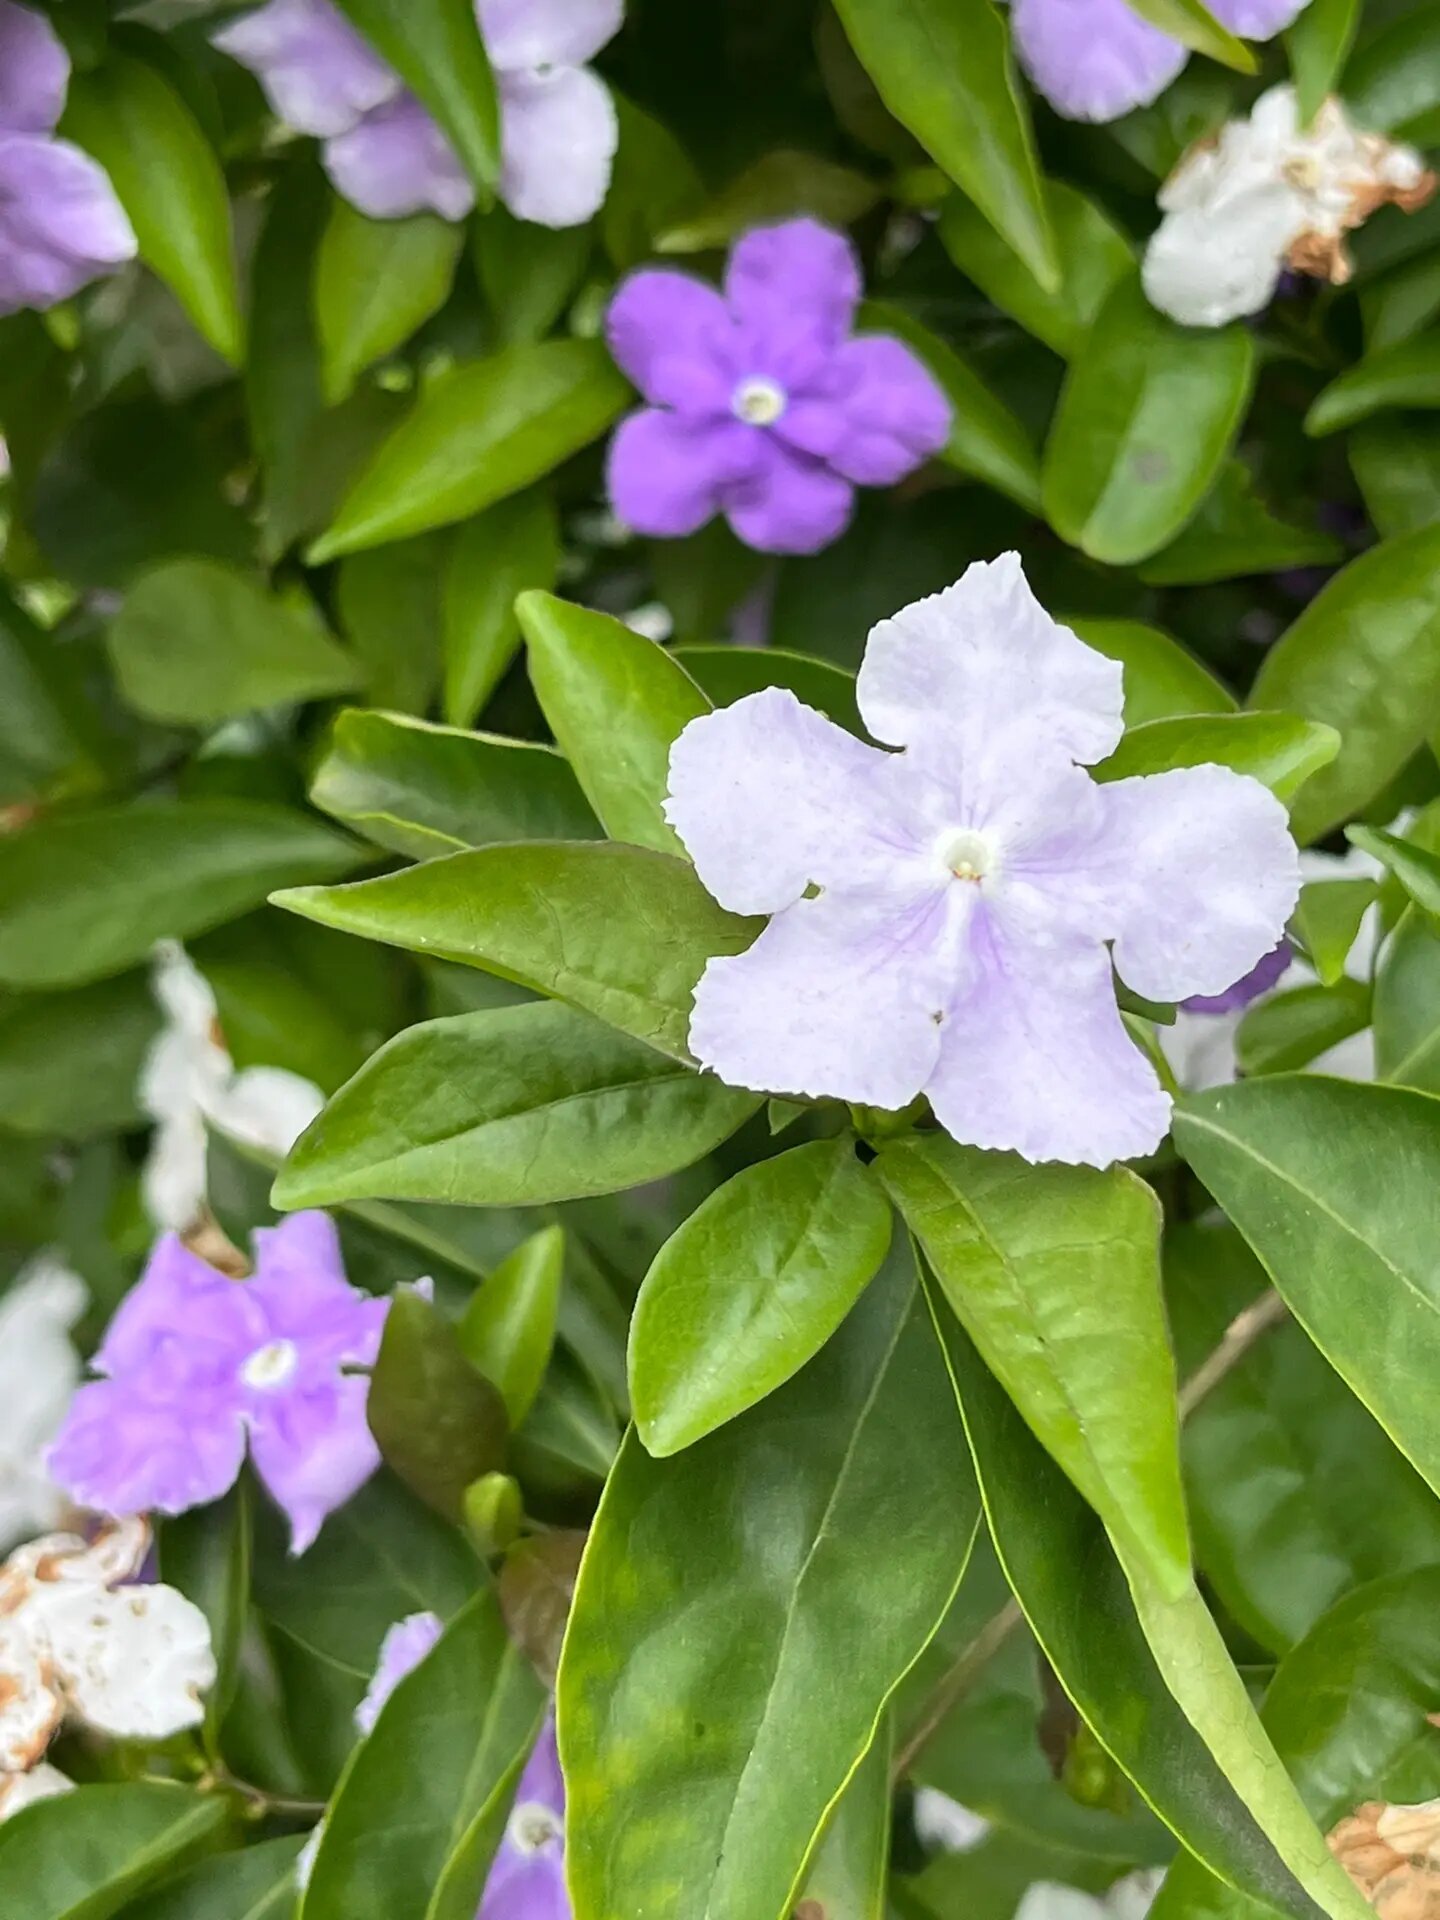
[384, 152]
[945, 918]
[401, 1651]
[1260, 979]
[194, 1364]
[1097, 59]
[763, 407]
[527, 1881]
[60, 223]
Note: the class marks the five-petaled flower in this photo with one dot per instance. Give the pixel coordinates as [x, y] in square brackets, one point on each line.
[194, 1364]
[762, 406]
[527, 1881]
[60, 223]
[945, 917]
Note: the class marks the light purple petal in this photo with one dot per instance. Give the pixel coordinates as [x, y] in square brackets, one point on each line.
[313, 1451]
[405, 1645]
[883, 416]
[61, 225]
[546, 33]
[34, 70]
[180, 1312]
[300, 1285]
[981, 672]
[1261, 978]
[122, 1452]
[668, 475]
[1093, 59]
[397, 162]
[1257, 19]
[673, 336]
[796, 274]
[558, 134]
[527, 1881]
[319, 75]
[1035, 1058]
[790, 503]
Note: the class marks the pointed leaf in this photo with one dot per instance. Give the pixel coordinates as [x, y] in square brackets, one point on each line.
[1404, 374]
[1235, 533]
[1415, 867]
[1193, 25]
[376, 281]
[508, 1328]
[255, 1883]
[510, 549]
[437, 1421]
[436, 48]
[1407, 1006]
[1162, 680]
[1319, 44]
[83, 1855]
[1328, 919]
[1275, 748]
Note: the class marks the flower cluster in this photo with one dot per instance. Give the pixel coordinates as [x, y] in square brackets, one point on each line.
[1269, 194]
[386, 154]
[60, 223]
[945, 917]
[762, 404]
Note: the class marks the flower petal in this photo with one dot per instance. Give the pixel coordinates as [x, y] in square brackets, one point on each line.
[673, 336]
[886, 414]
[527, 1881]
[134, 1664]
[265, 1107]
[301, 1286]
[1093, 59]
[20, 1790]
[396, 162]
[319, 75]
[797, 269]
[121, 1451]
[668, 475]
[313, 1451]
[1257, 19]
[180, 1311]
[545, 33]
[788, 503]
[61, 225]
[1035, 1058]
[405, 1645]
[31, 1708]
[982, 669]
[558, 136]
[34, 70]
[1206, 268]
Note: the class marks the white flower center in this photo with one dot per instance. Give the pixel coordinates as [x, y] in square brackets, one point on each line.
[759, 402]
[270, 1366]
[970, 855]
[533, 1827]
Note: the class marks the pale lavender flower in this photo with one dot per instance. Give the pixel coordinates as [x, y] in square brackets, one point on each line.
[762, 405]
[945, 918]
[1097, 59]
[60, 223]
[405, 1645]
[319, 75]
[527, 1881]
[194, 1365]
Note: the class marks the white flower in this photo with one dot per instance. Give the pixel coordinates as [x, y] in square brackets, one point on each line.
[79, 1643]
[1266, 193]
[20, 1790]
[943, 1825]
[39, 1372]
[1129, 1899]
[189, 1080]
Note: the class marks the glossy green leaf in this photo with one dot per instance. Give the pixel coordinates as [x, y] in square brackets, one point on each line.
[1147, 418]
[1327, 921]
[387, 600]
[1333, 1185]
[699, 1769]
[475, 435]
[438, 1422]
[616, 703]
[1406, 374]
[1318, 45]
[1054, 1272]
[87, 894]
[1162, 680]
[1407, 1006]
[616, 931]
[1193, 25]
[1397, 467]
[70, 1063]
[846, 1878]
[1275, 748]
[1397, 305]
[528, 273]
[510, 549]
[750, 1288]
[653, 183]
[1093, 256]
[508, 1328]
[255, 1883]
[169, 181]
[782, 185]
[197, 641]
[436, 48]
[1414, 866]
[1364, 657]
[1290, 1029]
[376, 281]
[205, 1554]
[1393, 82]
[83, 1855]
[43, 752]
[986, 440]
[508, 1109]
[425, 790]
[444, 1741]
[1234, 534]
[727, 673]
[945, 70]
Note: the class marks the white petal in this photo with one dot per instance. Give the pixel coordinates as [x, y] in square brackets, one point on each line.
[31, 1708]
[558, 134]
[267, 1107]
[21, 1790]
[1206, 269]
[173, 1179]
[546, 33]
[135, 1663]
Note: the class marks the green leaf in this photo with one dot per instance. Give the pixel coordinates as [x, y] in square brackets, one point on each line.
[1235, 533]
[255, 1883]
[444, 1742]
[616, 703]
[87, 894]
[436, 48]
[528, 273]
[1093, 255]
[508, 1328]
[425, 790]
[196, 642]
[437, 1421]
[1333, 1185]
[1146, 420]
[697, 1785]
[1393, 82]
[846, 1878]
[205, 1554]
[1397, 305]
[619, 932]
[169, 182]
[475, 435]
[388, 603]
[1290, 1029]
[70, 1063]
[1276, 748]
[1405, 374]
[1054, 1273]
[778, 186]
[726, 673]
[1414, 866]
[510, 549]
[1318, 45]
[1364, 657]
[1397, 467]
[376, 281]
[945, 70]
[43, 749]
[1327, 921]
[83, 1855]
[1194, 26]
[1162, 680]
[653, 183]
[1407, 1006]
[1126, 1661]
[288, 996]
[750, 1288]
[986, 440]
[509, 1109]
